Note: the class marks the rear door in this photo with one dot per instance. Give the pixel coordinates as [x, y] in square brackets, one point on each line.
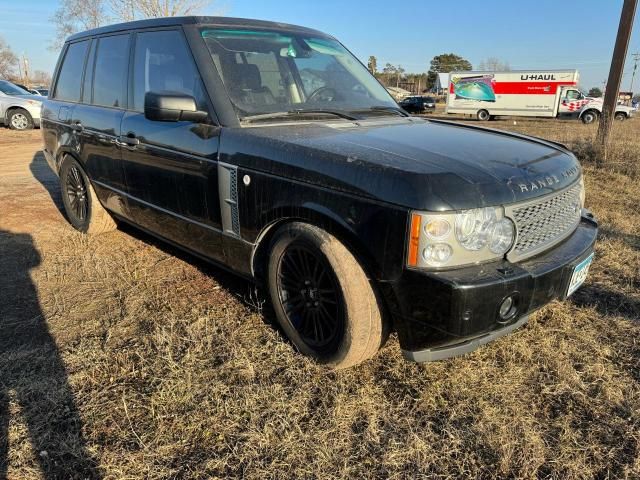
[171, 167]
[56, 113]
[96, 121]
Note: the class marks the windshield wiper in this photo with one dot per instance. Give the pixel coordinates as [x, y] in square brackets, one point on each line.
[382, 108]
[297, 112]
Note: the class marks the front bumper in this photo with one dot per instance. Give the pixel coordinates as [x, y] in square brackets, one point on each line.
[447, 313]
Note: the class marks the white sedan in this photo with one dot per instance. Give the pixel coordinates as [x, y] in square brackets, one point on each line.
[19, 109]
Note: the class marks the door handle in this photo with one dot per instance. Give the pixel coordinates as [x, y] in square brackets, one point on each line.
[127, 141]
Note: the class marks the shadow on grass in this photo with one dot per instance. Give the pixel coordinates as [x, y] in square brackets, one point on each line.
[607, 302]
[33, 373]
[253, 296]
[43, 173]
[632, 240]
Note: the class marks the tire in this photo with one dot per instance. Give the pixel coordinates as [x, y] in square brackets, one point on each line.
[322, 297]
[83, 209]
[483, 115]
[20, 119]
[590, 116]
[620, 116]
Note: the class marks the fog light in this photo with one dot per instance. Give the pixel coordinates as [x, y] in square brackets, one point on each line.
[507, 308]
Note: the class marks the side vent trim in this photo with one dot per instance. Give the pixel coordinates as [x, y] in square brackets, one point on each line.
[228, 191]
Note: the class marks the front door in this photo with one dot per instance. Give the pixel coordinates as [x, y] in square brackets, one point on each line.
[571, 102]
[170, 168]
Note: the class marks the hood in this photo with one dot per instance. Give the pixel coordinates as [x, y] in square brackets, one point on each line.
[599, 102]
[419, 164]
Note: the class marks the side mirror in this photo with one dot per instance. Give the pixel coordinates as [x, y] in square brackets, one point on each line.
[172, 107]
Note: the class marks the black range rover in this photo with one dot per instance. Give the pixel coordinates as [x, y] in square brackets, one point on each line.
[270, 150]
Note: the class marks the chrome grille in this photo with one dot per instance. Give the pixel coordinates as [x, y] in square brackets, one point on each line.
[542, 223]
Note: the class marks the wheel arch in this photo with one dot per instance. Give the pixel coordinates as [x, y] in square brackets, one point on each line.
[12, 108]
[319, 216]
[63, 152]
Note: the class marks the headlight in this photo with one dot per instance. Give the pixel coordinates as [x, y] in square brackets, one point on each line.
[463, 238]
[473, 227]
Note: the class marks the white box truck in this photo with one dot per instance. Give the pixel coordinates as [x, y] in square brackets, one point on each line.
[539, 93]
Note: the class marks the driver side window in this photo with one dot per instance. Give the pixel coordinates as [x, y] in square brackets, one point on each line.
[164, 64]
[574, 95]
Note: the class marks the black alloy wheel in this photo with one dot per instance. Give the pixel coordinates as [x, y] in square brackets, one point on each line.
[311, 298]
[77, 195]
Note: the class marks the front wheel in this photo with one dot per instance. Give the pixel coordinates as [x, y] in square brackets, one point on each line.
[483, 115]
[589, 117]
[20, 119]
[322, 297]
[81, 204]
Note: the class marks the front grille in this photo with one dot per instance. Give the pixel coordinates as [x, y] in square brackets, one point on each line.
[543, 223]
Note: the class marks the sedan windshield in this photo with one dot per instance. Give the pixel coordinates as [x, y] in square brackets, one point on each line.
[9, 88]
[268, 71]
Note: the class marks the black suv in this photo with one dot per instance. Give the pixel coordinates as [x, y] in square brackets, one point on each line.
[270, 150]
[418, 104]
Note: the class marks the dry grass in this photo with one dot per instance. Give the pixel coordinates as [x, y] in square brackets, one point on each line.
[121, 358]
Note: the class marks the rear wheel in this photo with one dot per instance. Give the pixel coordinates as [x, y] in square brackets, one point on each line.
[589, 116]
[620, 116]
[483, 115]
[81, 204]
[20, 119]
[322, 297]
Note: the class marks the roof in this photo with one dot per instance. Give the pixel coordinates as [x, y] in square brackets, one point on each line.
[196, 20]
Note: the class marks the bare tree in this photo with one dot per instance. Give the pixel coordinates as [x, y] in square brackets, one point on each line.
[399, 72]
[169, 8]
[8, 60]
[494, 64]
[372, 64]
[40, 77]
[76, 15]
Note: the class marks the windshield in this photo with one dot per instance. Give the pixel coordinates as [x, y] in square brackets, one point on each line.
[9, 88]
[269, 71]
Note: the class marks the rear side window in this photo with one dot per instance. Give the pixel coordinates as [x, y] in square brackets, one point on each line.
[110, 73]
[70, 76]
[163, 63]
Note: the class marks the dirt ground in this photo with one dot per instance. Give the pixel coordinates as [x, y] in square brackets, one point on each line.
[123, 358]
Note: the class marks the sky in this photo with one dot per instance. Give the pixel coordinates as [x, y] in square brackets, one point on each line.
[545, 34]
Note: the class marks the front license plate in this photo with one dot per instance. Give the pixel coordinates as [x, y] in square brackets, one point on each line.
[580, 273]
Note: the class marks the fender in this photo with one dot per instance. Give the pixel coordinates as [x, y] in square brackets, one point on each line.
[315, 214]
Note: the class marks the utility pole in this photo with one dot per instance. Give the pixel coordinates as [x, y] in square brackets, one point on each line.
[615, 76]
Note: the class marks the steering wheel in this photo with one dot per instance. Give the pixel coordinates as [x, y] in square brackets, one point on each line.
[330, 93]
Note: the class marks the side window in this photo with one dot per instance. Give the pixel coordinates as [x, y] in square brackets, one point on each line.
[573, 95]
[110, 73]
[70, 76]
[163, 63]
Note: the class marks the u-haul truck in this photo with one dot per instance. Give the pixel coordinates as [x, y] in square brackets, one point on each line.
[540, 93]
